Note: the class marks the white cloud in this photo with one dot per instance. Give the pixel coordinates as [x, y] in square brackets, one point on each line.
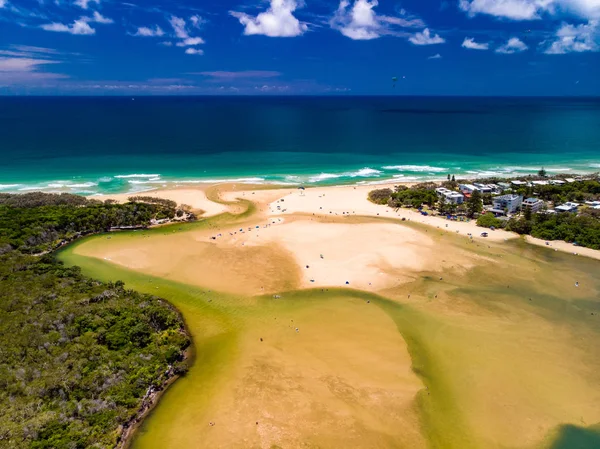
[426, 38]
[514, 45]
[197, 21]
[2, 3]
[436, 56]
[80, 27]
[22, 64]
[576, 39]
[531, 9]
[99, 18]
[23, 71]
[588, 9]
[83, 4]
[510, 9]
[360, 22]
[149, 32]
[470, 43]
[190, 41]
[194, 51]
[277, 21]
[179, 26]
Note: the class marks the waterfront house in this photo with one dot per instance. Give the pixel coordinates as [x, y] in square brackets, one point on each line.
[509, 203]
[450, 195]
[533, 204]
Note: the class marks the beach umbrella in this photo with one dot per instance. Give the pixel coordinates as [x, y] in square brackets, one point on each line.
[302, 189]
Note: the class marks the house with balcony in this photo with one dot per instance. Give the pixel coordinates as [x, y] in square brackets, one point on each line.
[509, 203]
[533, 204]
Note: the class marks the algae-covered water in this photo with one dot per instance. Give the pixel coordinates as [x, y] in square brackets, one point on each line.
[504, 355]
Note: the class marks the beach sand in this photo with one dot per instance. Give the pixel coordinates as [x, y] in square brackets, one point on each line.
[482, 343]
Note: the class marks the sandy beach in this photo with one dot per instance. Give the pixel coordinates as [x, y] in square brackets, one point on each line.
[330, 202]
[296, 305]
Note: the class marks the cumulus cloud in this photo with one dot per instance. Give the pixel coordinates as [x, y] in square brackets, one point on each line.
[514, 45]
[84, 4]
[277, 21]
[426, 38]
[149, 32]
[470, 43]
[510, 9]
[190, 42]
[576, 39]
[99, 18]
[530, 9]
[360, 22]
[179, 27]
[181, 31]
[2, 3]
[81, 27]
[194, 51]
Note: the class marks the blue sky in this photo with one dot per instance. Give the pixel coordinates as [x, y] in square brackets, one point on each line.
[191, 47]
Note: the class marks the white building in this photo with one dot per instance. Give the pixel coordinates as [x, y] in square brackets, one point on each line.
[484, 188]
[467, 188]
[534, 204]
[518, 183]
[450, 195]
[510, 202]
[567, 207]
[593, 203]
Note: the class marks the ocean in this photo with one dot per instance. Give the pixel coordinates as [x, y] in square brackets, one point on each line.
[92, 145]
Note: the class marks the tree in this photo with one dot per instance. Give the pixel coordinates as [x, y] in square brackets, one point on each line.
[527, 213]
[442, 204]
[453, 178]
[474, 204]
[448, 177]
[542, 172]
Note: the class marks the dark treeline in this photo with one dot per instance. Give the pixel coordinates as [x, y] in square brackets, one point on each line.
[78, 358]
[37, 222]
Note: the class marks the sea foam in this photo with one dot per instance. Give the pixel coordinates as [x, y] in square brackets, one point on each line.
[416, 168]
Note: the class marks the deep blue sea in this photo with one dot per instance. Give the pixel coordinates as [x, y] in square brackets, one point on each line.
[114, 144]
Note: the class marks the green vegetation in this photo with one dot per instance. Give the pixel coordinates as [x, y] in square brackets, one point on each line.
[78, 358]
[415, 196]
[37, 222]
[583, 229]
[488, 220]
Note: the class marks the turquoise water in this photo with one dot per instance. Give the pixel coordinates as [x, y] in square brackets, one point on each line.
[101, 145]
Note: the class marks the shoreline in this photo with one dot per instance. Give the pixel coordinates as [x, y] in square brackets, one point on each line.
[371, 174]
[351, 199]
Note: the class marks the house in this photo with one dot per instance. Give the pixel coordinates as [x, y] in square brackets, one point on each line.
[519, 183]
[504, 185]
[567, 207]
[593, 203]
[597, 207]
[467, 188]
[483, 188]
[450, 195]
[533, 204]
[557, 182]
[509, 203]
[570, 179]
[539, 183]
